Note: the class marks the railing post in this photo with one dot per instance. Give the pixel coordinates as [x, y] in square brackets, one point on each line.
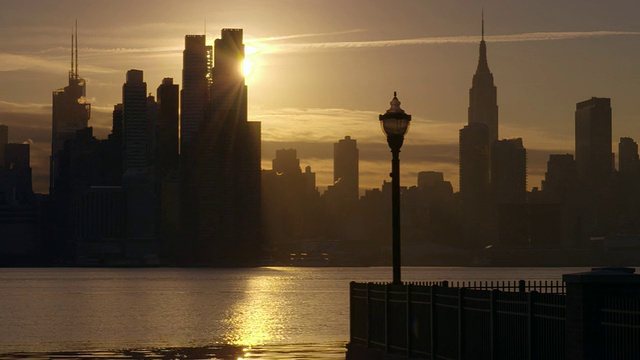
[432, 311]
[494, 320]
[408, 308]
[386, 317]
[531, 300]
[368, 322]
[461, 332]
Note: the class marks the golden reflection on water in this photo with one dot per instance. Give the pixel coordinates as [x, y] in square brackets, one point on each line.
[259, 318]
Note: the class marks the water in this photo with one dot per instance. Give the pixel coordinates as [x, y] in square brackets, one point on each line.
[167, 313]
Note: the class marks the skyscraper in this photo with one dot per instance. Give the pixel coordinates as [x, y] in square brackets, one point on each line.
[224, 167]
[134, 117]
[196, 81]
[594, 160]
[345, 168]
[474, 157]
[627, 155]
[168, 136]
[476, 140]
[483, 98]
[71, 112]
[509, 171]
[560, 177]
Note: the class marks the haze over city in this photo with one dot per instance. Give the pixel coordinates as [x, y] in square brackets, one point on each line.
[323, 70]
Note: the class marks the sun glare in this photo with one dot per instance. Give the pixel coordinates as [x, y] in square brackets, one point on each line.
[247, 67]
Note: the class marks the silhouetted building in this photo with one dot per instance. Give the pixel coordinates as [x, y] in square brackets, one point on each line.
[196, 81]
[509, 171]
[593, 143]
[134, 119]
[168, 136]
[627, 155]
[560, 177]
[429, 178]
[474, 183]
[224, 166]
[141, 201]
[483, 100]
[290, 203]
[475, 155]
[71, 112]
[345, 168]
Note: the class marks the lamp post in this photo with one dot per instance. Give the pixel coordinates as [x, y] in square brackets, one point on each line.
[395, 123]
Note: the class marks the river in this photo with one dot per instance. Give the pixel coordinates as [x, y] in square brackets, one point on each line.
[146, 313]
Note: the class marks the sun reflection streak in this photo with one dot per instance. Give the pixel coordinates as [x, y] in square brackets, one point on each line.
[260, 317]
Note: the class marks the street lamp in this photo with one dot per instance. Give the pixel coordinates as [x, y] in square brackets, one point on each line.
[395, 123]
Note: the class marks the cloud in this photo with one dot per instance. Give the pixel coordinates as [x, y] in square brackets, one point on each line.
[536, 36]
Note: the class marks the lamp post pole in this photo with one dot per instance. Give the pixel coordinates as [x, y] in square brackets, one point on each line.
[395, 123]
[395, 210]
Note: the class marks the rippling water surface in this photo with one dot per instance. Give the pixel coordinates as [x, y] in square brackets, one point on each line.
[168, 313]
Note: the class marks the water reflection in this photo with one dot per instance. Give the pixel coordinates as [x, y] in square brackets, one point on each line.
[223, 352]
[260, 316]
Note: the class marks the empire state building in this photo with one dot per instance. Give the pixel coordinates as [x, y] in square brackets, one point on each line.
[476, 140]
[483, 99]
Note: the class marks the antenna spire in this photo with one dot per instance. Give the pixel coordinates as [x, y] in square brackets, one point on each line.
[482, 24]
[76, 73]
[71, 70]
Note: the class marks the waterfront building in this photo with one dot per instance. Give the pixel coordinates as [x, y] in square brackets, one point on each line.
[509, 171]
[594, 160]
[627, 155]
[70, 112]
[223, 166]
[475, 184]
[560, 177]
[483, 98]
[345, 168]
[134, 119]
[196, 82]
[168, 125]
[476, 140]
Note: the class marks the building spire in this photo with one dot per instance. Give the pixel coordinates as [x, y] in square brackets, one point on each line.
[71, 70]
[76, 70]
[483, 65]
[482, 24]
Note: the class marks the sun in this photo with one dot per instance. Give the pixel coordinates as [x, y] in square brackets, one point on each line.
[247, 67]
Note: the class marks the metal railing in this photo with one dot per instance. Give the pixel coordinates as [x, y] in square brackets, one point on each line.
[435, 321]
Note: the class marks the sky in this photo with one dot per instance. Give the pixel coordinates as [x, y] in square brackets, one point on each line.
[325, 69]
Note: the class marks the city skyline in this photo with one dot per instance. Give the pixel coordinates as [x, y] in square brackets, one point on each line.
[318, 80]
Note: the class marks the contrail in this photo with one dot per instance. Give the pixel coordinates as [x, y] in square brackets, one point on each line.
[536, 36]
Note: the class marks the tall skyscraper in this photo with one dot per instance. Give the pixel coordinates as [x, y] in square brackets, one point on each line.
[196, 82]
[474, 157]
[168, 137]
[627, 154]
[509, 171]
[476, 140]
[224, 166]
[483, 98]
[345, 168]
[71, 112]
[134, 118]
[594, 160]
